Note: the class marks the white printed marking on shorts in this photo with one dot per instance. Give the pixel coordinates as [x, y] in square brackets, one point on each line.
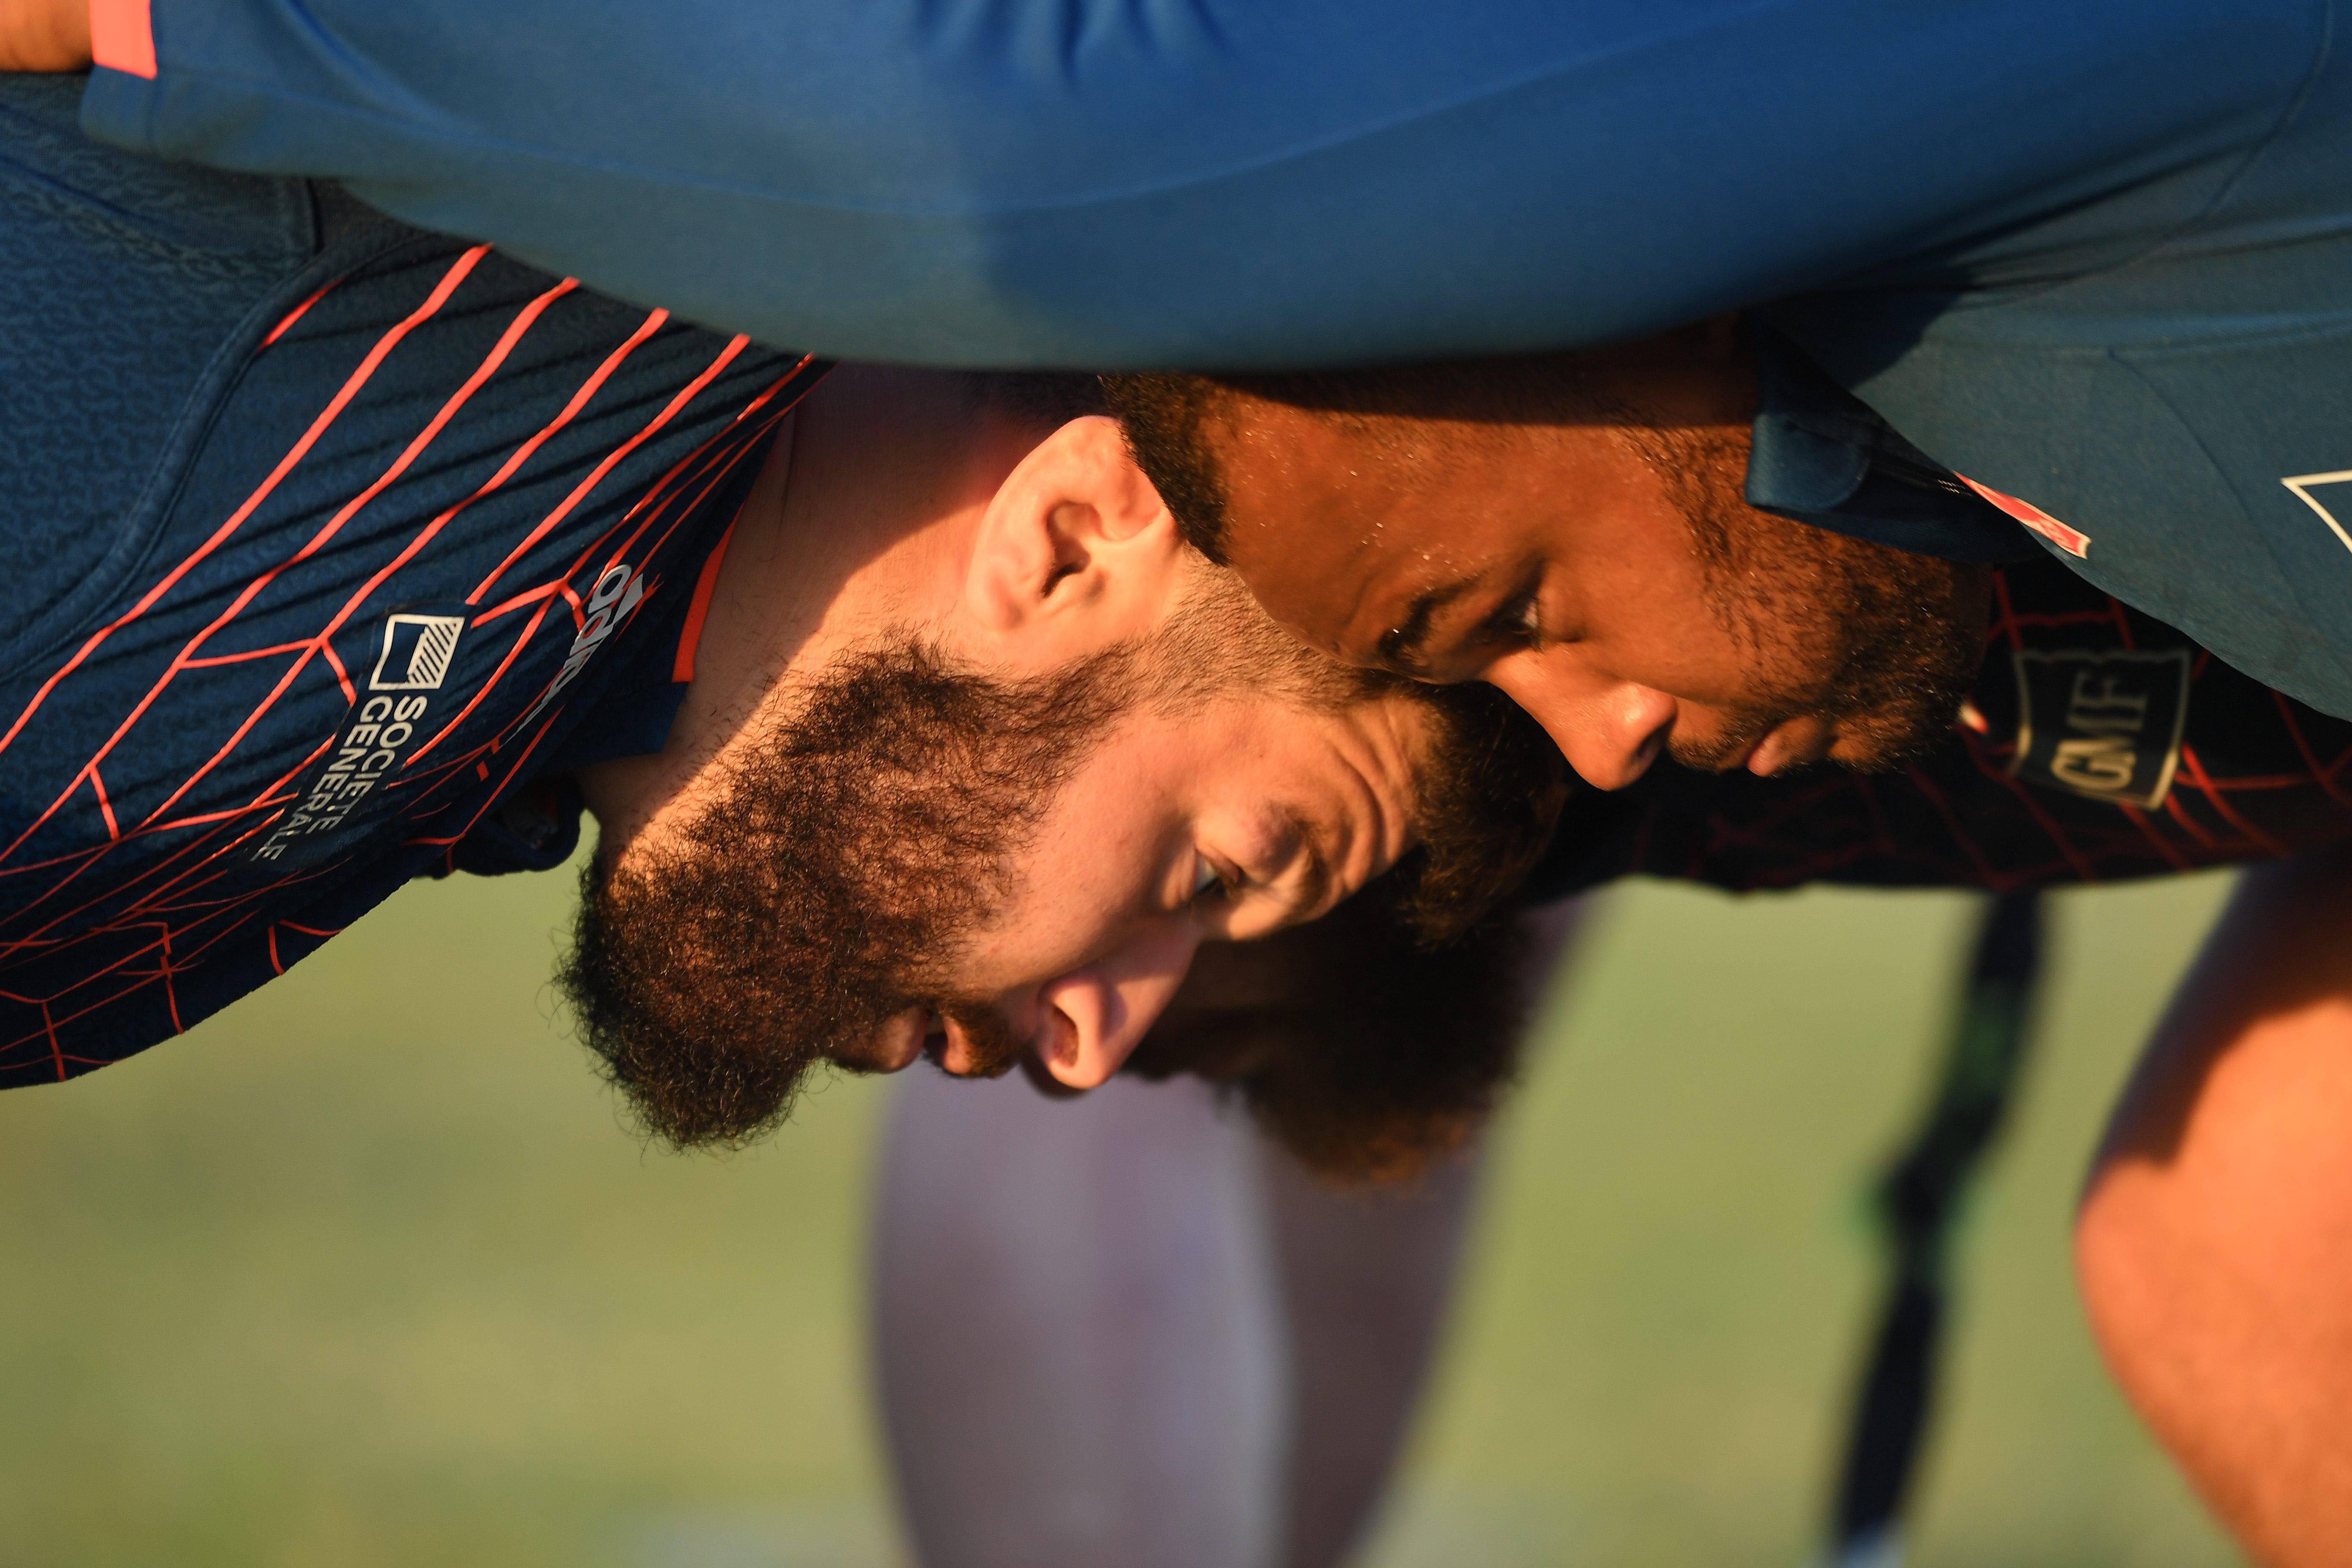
[2301, 484]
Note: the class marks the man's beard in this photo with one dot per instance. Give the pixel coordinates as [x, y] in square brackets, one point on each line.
[851, 853]
[1882, 643]
[825, 889]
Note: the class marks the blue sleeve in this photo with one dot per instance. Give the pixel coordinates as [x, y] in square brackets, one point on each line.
[1210, 183]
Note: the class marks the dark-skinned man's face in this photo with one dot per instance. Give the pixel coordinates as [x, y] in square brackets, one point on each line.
[1592, 556]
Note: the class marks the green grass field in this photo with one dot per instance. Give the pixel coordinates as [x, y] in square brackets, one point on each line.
[365, 1273]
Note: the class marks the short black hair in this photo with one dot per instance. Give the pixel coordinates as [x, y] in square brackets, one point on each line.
[1161, 414]
[1164, 413]
[1039, 396]
[1162, 417]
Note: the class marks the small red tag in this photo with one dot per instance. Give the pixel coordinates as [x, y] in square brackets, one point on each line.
[123, 37]
[2072, 540]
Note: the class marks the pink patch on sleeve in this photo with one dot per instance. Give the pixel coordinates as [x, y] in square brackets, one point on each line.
[123, 37]
[2072, 540]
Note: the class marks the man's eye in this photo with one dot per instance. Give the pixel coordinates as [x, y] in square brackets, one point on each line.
[1520, 620]
[1207, 881]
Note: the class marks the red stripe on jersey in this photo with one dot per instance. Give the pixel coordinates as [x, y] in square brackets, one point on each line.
[2214, 793]
[531, 629]
[105, 807]
[699, 608]
[342, 677]
[562, 587]
[50, 1027]
[522, 323]
[171, 992]
[490, 800]
[297, 312]
[209, 660]
[2325, 774]
[2163, 847]
[2173, 809]
[2006, 625]
[676, 405]
[2075, 861]
[545, 590]
[685, 396]
[664, 492]
[220, 536]
[742, 448]
[154, 875]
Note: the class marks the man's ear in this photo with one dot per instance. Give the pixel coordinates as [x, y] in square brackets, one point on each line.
[1075, 548]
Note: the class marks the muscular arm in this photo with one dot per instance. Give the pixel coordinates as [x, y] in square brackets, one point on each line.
[1147, 183]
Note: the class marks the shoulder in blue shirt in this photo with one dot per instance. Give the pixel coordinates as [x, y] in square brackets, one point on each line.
[2094, 257]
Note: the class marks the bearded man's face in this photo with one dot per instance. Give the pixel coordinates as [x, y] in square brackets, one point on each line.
[1572, 528]
[1030, 863]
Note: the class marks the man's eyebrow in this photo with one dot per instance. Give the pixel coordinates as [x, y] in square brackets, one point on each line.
[1400, 645]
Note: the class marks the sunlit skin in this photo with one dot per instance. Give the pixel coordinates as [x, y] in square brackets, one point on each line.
[44, 34]
[892, 503]
[1549, 559]
[1225, 825]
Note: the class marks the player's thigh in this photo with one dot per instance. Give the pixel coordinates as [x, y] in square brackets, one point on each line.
[2214, 1244]
[1077, 1330]
[2245, 1091]
[1367, 1276]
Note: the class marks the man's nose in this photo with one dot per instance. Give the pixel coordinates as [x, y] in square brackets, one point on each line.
[1093, 1018]
[1610, 730]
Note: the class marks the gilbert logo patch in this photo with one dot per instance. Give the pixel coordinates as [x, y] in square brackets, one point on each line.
[382, 728]
[2106, 725]
[2072, 540]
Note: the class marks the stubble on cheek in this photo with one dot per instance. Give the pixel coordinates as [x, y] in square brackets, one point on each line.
[1874, 644]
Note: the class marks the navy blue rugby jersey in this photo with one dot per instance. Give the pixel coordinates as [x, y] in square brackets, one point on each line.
[329, 543]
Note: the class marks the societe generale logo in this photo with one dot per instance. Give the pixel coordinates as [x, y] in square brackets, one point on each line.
[417, 652]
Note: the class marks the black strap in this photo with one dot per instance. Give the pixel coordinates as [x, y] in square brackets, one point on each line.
[1919, 1200]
